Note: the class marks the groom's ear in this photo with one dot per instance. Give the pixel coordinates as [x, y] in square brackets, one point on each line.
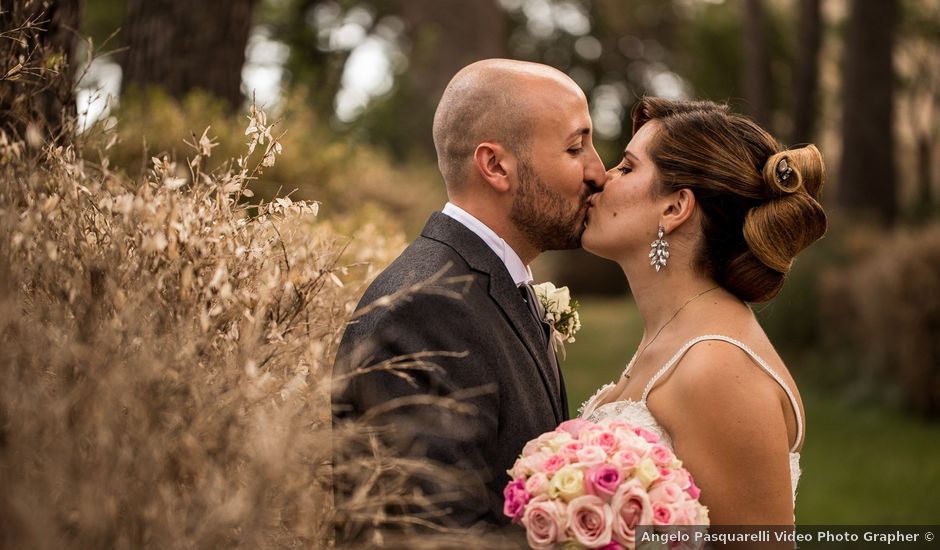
[681, 207]
[494, 164]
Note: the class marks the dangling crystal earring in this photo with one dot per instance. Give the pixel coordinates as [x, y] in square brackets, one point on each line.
[659, 254]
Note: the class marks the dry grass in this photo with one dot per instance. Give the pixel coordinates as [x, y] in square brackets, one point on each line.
[166, 344]
[165, 355]
[338, 170]
[166, 352]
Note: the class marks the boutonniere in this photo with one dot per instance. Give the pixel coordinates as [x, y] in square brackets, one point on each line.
[561, 313]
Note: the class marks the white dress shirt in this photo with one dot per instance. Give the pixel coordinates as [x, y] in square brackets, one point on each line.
[520, 273]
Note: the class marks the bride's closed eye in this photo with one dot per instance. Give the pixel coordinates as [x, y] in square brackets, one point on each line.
[624, 169]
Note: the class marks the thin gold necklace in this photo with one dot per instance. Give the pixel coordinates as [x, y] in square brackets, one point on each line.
[626, 372]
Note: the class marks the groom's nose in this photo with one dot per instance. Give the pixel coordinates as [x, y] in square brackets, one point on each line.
[594, 174]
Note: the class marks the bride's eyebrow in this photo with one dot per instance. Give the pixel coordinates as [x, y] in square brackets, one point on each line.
[627, 155]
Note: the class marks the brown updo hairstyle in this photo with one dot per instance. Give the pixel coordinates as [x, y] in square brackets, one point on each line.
[758, 202]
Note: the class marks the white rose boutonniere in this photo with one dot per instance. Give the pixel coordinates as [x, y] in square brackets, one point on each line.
[561, 312]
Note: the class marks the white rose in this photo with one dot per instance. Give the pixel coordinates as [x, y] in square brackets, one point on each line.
[546, 296]
[562, 299]
[543, 290]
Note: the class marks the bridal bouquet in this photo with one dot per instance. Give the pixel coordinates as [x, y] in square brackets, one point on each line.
[593, 484]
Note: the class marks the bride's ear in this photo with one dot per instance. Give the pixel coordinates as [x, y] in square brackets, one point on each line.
[679, 208]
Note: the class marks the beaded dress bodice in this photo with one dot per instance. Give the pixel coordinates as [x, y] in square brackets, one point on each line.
[637, 412]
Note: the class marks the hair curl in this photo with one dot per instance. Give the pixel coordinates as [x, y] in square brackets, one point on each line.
[757, 214]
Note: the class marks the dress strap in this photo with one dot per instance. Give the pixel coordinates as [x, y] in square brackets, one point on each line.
[758, 359]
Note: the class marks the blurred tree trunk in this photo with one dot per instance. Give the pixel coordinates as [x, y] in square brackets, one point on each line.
[919, 95]
[445, 36]
[448, 34]
[755, 75]
[806, 77]
[311, 63]
[924, 206]
[867, 180]
[184, 45]
[37, 85]
[625, 60]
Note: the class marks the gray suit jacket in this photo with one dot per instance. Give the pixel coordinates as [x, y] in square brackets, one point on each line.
[504, 371]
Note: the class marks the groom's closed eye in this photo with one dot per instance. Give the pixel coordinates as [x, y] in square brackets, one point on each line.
[577, 147]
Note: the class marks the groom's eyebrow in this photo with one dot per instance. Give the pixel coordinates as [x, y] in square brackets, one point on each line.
[580, 132]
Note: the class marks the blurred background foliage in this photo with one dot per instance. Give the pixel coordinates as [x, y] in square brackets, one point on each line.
[355, 84]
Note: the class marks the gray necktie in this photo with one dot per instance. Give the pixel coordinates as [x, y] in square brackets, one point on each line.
[538, 311]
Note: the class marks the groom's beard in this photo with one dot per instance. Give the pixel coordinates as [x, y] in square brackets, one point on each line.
[542, 214]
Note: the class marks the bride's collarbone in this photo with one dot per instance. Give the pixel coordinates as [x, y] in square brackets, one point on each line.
[647, 365]
[631, 386]
[653, 359]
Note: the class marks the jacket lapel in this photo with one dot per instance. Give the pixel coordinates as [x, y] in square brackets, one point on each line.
[481, 258]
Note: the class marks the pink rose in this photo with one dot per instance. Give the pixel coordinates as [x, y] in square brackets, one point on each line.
[546, 438]
[605, 440]
[617, 423]
[630, 440]
[538, 445]
[666, 474]
[625, 460]
[614, 545]
[631, 507]
[536, 461]
[548, 442]
[590, 521]
[570, 450]
[554, 463]
[515, 498]
[531, 448]
[683, 478]
[646, 434]
[573, 426]
[693, 489]
[686, 513]
[591, 454]
[602, 481]
[665, 492]
[537, 484]
[589, 429]
[661, 455]
[544, 521]
[662, 514]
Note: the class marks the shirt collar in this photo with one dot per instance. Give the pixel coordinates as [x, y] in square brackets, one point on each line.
[520, 273]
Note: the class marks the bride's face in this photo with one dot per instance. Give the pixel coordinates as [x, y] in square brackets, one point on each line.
[622, 219]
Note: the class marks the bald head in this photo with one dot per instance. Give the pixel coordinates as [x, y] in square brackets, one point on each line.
[495, 100]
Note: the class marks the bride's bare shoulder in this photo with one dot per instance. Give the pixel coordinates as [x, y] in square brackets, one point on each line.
[721, 384]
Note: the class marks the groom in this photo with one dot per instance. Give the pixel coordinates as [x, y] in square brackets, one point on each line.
[514, 147]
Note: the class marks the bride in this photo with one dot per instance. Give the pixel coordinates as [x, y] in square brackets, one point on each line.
[727, 210]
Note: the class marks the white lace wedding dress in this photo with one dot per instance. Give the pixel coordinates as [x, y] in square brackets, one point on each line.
[637, 413]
